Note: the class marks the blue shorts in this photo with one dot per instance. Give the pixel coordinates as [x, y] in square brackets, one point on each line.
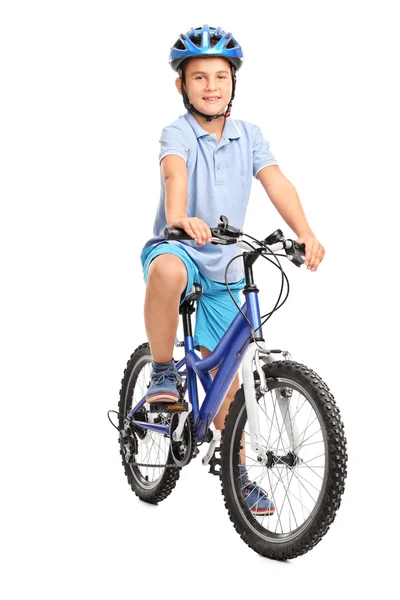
[215, 308]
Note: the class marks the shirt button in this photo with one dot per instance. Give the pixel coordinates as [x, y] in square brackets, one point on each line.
[209, 139]
[218, 166]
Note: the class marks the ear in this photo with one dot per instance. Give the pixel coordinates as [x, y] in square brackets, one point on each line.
[178, 83]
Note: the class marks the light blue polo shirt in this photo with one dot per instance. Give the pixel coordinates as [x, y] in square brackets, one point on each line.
[219, 183]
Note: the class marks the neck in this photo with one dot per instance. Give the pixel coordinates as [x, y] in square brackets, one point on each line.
[216, 126]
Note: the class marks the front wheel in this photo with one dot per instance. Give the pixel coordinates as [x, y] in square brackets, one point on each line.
[304, 470]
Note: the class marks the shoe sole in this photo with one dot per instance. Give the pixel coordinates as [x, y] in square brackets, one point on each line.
[162, 397]
[261, 513]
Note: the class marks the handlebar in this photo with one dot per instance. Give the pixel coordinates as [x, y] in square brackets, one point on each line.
[225, 234]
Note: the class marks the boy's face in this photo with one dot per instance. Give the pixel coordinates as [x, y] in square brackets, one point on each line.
[208, 84]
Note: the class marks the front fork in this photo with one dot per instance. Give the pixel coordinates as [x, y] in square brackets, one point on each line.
[255, 356]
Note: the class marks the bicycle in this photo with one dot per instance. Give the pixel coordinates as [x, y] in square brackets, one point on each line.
[283, 412]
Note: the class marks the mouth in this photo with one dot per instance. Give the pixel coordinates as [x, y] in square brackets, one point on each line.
[212, 99]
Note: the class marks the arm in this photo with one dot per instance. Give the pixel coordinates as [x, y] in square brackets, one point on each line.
[174, 176]
[284, 197]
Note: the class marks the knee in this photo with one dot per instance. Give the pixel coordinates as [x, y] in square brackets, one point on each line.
[168, 270]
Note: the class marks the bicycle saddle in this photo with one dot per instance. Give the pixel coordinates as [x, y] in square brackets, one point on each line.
[194, 294]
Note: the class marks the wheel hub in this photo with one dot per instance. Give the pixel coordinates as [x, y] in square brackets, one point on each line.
[290, 459]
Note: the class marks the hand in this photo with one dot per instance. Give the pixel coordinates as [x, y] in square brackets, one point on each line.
[315, 251]
[196, 228]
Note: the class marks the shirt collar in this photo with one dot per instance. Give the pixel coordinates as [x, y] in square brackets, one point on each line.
[230, 130]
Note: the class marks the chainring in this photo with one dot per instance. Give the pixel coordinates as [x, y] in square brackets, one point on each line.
[183, 451]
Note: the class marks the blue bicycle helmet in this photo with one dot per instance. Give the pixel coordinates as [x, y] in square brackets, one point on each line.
[201, 42]
[206, 41]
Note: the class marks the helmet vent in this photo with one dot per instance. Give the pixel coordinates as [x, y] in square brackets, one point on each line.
[214, 39]
[231, 44]
[179, 45]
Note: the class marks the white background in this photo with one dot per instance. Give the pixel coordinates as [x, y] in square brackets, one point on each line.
[85, 91]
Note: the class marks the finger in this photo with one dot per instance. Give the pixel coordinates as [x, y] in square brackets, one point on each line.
[314, 251]
[321, 254]
[206, 235]
[192, 224]
[189, 230]
[308, 254]
[315, 257]
[203, 228]
[199, 235]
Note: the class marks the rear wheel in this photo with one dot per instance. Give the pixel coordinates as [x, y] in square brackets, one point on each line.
[305, 469]
[151, 472]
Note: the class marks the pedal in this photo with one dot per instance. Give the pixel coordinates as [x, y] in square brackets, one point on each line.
[216, 436]
[215, 462]
[169, 407]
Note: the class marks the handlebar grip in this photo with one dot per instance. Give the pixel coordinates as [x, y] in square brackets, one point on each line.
[296, 252]
[176, 233]
[300, 248]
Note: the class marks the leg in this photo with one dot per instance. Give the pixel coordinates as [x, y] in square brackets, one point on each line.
[220, 417]
[167, 279]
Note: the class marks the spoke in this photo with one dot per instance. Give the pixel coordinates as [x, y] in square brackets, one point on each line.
[265, 413]
[272, 421]
[291, 419]
[297, 475]
[157, 444]
[290, 491]
[283, 424]
[286, 496]
[309, 437]
[310, 459]
[301, 499]
[254, 479]
[143, 385]
[264, 495]
[311, 443]
[269, 515]
[312, 469]
[157, 459]
[266, 442]
[147, 453]
[275, 503]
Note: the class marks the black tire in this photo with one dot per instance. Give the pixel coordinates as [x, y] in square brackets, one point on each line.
[152, 492]
[286, 545]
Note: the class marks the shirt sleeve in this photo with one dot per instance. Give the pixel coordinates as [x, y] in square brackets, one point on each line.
[173, 141]
[262, 155]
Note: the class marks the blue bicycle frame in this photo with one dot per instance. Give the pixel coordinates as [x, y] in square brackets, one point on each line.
[227, 356]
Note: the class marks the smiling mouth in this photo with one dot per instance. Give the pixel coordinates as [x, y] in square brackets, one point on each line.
[212, 98]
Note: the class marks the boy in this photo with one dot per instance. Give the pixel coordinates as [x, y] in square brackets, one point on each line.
[207, 163]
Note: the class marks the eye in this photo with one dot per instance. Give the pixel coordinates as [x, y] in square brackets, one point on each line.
[222, 76]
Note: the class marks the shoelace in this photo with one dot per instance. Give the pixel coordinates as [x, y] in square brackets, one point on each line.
[169, 373]
[252, 488]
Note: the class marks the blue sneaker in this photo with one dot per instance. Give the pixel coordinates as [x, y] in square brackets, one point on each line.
[163, 383]
[256, 498]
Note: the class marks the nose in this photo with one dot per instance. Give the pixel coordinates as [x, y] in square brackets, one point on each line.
[211, 85]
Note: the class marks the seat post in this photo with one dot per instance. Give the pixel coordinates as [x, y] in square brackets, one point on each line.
[187, 308]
